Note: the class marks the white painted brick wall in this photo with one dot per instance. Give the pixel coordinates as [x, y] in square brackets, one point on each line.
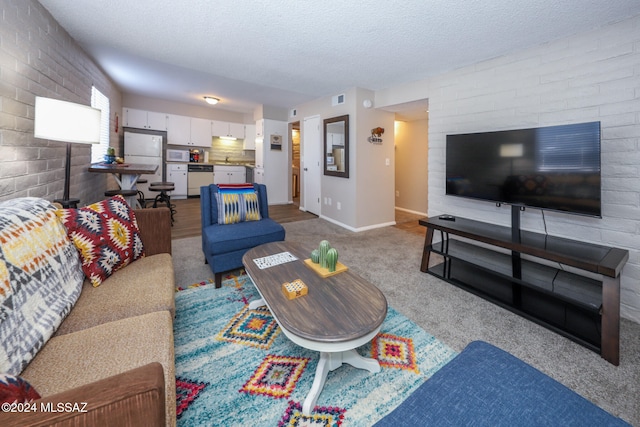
[589, 77]
[39, 58]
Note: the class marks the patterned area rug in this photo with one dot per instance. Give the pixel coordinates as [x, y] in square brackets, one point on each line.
[235, 368]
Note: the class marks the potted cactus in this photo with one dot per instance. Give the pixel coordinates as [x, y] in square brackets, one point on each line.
[323, 249]
[332, 259]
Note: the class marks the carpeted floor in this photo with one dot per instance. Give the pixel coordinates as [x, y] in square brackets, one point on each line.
[235, 368]
[390, 259]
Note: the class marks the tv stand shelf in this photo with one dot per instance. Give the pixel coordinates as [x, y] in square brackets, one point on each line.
[581, 308]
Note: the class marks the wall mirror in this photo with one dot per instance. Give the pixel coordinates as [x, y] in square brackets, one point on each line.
[336, 143]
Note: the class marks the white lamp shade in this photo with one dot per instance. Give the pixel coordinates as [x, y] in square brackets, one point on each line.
[65, 121]
[511, 150]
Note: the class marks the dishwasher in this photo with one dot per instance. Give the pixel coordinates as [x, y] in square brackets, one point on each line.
[198, 176]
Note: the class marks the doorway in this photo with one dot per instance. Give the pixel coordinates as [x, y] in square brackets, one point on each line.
[294, 137]
[411, 160]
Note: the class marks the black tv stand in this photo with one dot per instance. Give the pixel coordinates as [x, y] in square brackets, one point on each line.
[524, 272]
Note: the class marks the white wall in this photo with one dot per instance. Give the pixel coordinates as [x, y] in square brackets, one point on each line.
[588, 77]
[277, 163]
[366, 197]
[39, 58]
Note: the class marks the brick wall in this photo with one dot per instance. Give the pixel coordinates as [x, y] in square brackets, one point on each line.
[39, 58]
[589, 77]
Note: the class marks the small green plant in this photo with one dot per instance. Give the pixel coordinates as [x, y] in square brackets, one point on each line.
[332, 259]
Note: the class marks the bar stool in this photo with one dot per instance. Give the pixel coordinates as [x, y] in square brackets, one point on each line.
[163, 197]
[141, 198]
[127, 194]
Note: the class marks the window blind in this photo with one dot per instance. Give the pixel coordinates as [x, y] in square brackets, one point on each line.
[101, 102]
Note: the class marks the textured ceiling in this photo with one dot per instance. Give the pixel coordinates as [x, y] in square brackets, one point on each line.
[286, 52]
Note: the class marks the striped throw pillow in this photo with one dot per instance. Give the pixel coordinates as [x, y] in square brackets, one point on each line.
[234, 207]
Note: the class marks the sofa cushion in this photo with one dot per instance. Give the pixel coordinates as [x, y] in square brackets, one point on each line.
[106, 235]
[15, 389]
[144, 286]
[72, 360]
[487, 386]
[222, 238]
[40, 279]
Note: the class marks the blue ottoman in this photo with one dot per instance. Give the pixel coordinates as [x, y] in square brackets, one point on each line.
[486, 386]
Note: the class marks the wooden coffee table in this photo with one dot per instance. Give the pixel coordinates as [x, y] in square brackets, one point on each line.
[339, 313]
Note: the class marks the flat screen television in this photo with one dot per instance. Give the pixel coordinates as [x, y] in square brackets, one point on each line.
[555, 168]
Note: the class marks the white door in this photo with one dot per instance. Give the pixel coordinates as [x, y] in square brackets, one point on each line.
[311, 147]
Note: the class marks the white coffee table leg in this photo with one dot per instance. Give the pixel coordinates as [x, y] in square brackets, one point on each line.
[354, 359]
[330, 362]
[256, 304]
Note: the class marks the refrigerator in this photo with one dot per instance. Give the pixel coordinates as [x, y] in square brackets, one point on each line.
[143, 148]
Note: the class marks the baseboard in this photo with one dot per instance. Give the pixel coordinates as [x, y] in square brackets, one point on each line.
[359, 229]
[410, 211]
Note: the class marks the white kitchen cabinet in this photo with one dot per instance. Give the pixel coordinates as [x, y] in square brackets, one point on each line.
[219, 128]
[200, 132]
[260, 128]
[335, 139]
[259, 154]
[144, 119]
[178, 130]
[228, 129]
[177, 173]
[236, 130]
[249, 142]
[189, 131]
[258, 176]
[229, 174]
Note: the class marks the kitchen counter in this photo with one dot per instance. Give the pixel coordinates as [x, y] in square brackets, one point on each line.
[249, 165]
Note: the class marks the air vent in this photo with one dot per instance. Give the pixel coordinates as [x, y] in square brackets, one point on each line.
[337, 100]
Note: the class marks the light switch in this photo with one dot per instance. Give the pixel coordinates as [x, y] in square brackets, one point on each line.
[387, 162]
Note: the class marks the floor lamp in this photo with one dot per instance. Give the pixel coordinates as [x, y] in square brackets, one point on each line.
[65, 121]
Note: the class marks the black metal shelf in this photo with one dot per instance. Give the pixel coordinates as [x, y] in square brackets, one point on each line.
[525, 273]
[583, 292]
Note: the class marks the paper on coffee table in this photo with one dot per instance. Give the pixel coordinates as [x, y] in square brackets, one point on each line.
[273, 260]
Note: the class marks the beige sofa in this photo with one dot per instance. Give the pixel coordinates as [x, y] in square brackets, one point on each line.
[113, 354]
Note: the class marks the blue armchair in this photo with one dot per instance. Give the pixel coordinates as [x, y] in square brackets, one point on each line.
[225, 244]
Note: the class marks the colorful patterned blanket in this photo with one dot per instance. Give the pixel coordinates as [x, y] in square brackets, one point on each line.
[40, 279]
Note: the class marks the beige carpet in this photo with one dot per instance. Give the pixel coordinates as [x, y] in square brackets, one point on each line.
[390, 258]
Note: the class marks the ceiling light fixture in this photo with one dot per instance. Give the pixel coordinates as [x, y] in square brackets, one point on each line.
[211, 100]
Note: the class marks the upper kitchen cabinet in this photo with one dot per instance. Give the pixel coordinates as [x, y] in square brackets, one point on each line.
[201, 132]
[144, 119]
[190, 131]
[260, 128]
[227, 129]
[178, 130]
[249, 142]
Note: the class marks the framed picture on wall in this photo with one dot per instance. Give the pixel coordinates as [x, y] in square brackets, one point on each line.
[276, 142]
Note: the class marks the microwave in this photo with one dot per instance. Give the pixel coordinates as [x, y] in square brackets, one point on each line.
[177, 155]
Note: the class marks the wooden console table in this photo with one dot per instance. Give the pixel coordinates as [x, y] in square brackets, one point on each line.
[581, 308]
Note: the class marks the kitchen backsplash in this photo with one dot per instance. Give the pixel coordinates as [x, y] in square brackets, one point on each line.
[223, 149]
